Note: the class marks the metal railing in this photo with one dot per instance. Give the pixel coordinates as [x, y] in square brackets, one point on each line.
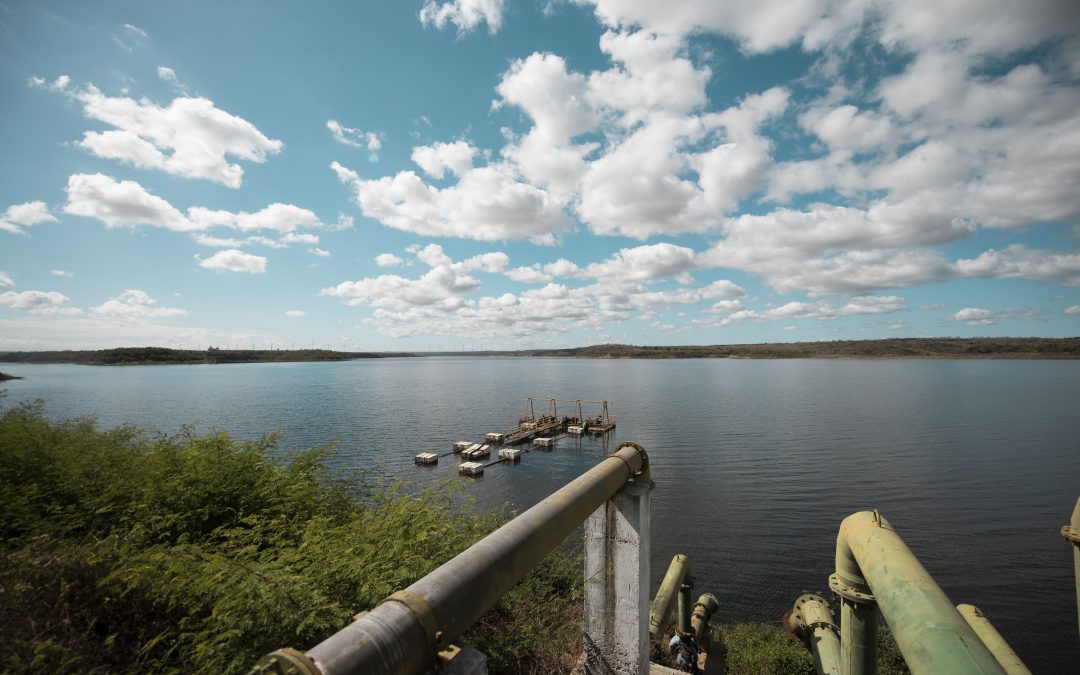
[405, 633]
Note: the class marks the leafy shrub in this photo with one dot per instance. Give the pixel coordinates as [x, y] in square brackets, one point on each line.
[761, 649]
[127, 551]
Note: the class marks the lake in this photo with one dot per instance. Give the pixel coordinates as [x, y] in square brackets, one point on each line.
[975, 463]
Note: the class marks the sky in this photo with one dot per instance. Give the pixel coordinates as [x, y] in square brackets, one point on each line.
[497, 174]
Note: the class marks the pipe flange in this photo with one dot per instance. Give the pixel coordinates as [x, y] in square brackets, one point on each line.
[1071, 533]
[424, 614]
[810, 597]
[850, 592]
[644, 456]
[801, 617]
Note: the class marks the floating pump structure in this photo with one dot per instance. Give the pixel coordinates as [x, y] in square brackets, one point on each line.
[542, 430]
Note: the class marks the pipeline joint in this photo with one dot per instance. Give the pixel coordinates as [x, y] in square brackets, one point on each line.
[641, 475]
[424, 614]
[849, 592]
[811, 611]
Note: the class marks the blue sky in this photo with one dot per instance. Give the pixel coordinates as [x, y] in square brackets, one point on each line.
[439, 174]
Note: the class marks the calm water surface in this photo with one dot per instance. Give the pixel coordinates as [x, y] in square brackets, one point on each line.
[755, 462]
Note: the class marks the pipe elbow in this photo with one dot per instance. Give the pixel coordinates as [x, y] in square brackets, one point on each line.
[855, 531]
[847, 567]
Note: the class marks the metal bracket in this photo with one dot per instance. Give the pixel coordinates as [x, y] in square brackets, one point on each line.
[850, 592]
[447, 654]
[423, 613]
[1071, 534]
[285, 662]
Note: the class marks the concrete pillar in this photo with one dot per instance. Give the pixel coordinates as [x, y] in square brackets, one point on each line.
[617, 584]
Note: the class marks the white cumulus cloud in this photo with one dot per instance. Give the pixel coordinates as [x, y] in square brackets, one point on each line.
[275, 217]
[17, 216]
[388, 260]
[122, 203]
[134, 304]
[189, 137]
[44, 303]
[975, 316]
[234, 260]
[488, 203]
[126, 203]
[444, 286]
[356, 138]
[465, 14]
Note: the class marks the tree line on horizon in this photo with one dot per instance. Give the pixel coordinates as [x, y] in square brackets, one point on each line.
[889, 348]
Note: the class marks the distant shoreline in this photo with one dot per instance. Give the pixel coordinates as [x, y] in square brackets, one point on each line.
[905, 348]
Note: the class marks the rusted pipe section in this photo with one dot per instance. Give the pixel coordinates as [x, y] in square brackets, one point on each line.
[1072, 533]
[812, 620]
[704, 608]
[931, 634]
[660, 609]
[993, 640]
[404, 633]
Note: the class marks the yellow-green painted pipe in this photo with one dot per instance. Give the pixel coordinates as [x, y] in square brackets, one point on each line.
[666, 595]
[812, 619]
[1072, 533]
[993, 640]
[683, 607]
[930, 633]
[858, 637]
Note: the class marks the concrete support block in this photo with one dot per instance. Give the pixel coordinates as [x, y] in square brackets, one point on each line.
[617, 584]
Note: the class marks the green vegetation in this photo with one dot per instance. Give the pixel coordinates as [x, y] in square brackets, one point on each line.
[761, 648]
[766, 649]
[126, 551]
[905, 348]
[124, 356]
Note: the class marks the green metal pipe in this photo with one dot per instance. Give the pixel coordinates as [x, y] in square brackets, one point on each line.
[858, 637]
[403, 634]
[812, 619]
[684, 605]
[1072, 533]
[930, 633]
[993, 640]
[660, 609]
